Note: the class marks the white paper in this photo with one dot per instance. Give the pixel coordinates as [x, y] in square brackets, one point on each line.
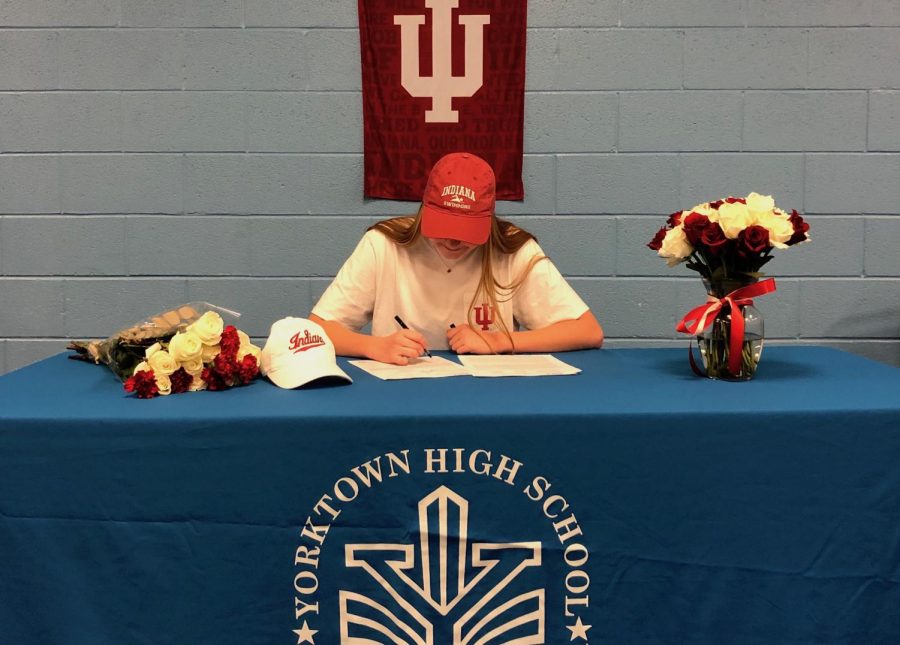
[423, 367]
[516, 365]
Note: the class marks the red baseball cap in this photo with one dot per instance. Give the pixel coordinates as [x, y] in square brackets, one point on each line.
[459, 199]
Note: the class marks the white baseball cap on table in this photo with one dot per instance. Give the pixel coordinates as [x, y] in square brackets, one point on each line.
[297, 352]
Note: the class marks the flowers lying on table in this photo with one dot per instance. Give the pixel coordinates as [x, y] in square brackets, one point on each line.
[728, 238]
[180, 350]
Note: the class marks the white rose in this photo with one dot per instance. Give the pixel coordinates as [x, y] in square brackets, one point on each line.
[210, 352]
[164, 383]
[162, 363]
[675, 246]
[208, 327]
[197, 384]
[246, 346]
[705, 209]
[780, 229]
[193, 366]
[734, 218]
[251, 349]
[150, 351]
[759, 206]
[143, 366]
[185, 346]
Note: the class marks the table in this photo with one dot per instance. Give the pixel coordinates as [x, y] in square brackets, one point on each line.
[632, 503]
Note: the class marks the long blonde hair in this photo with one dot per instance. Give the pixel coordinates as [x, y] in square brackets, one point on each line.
[505, 238]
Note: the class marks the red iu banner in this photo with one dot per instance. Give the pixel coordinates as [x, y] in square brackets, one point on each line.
[441, 76]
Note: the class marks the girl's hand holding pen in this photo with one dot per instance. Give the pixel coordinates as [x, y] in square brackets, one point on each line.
[403, 325]
[399, 347]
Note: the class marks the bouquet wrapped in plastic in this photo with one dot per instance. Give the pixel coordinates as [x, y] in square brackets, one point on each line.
[194, 346]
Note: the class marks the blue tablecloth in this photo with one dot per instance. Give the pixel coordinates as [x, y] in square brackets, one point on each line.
[632, 503]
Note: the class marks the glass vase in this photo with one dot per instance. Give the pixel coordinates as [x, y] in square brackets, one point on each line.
[715, 340]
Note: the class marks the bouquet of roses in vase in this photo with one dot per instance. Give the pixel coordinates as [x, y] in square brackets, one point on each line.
[727, 242]
[187, 348]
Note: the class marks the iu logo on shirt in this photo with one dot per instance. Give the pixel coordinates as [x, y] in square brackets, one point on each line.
[484, 316]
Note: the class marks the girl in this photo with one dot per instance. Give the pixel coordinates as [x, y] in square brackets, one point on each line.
[457, 276]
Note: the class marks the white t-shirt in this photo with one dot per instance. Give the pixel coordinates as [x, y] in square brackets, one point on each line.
[382, 279]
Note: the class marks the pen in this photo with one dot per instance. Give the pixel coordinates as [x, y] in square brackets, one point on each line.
[403, 325]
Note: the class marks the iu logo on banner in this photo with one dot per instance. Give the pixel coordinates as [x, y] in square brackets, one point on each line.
[441, 76]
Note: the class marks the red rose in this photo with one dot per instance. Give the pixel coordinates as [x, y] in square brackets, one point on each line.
[181, 381]
[735, 200]
[693, 227]
[143, 384]
[656, 242]
[225, 367]
[800, 228]
[248, 369]
[213, 380]
[753, 240]
[230, 341]
[674, 219]
[713, 238]
[715, 205]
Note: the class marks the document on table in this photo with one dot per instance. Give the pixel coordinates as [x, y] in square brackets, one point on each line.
[516, 365]
[472, 365]
[423, 367]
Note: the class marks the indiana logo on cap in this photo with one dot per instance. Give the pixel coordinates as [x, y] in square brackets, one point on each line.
[306, 341]
[459, 199]
[298, 352]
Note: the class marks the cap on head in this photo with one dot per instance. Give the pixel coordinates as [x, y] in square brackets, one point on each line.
[297, 352]
[459, 199]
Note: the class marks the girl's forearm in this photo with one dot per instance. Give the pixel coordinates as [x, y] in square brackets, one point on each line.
[346, 342]
[582, 333]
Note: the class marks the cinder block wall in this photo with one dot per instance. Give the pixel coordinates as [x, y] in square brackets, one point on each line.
[157, 152]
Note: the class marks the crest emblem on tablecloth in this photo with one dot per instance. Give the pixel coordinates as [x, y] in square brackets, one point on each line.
[445, 588]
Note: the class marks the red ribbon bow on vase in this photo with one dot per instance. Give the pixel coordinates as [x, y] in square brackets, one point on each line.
[699, 318]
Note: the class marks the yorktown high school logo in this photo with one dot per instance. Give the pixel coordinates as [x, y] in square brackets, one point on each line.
[442, 587]
[444, 579]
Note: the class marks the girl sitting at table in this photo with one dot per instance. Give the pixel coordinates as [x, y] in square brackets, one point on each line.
[457, 277]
